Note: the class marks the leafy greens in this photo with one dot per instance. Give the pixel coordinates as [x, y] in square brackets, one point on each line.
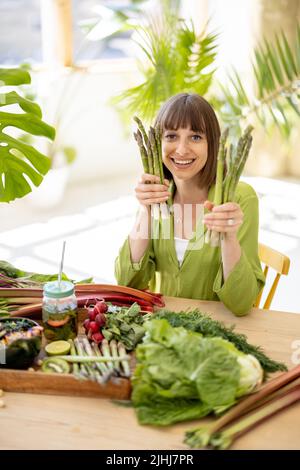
[202, 323]
[182, 375]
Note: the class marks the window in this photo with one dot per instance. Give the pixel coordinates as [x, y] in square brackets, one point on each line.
[20, 32]
[107, 41]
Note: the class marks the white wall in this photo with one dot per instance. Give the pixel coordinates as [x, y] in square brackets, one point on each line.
[87, 120]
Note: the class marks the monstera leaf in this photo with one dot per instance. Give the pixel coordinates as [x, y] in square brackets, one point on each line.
[20, 163]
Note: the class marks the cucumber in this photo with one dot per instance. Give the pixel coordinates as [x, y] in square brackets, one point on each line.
[55, 365]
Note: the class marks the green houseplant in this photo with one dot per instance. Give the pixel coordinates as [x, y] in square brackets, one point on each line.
[20, 163]
[179, 60]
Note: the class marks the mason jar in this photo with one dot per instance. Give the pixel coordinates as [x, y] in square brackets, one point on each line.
[59, 310]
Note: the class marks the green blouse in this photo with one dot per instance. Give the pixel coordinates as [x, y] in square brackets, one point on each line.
[200, 276]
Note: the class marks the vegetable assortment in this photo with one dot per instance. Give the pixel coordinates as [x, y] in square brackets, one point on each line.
[188, 365]
[88, 361]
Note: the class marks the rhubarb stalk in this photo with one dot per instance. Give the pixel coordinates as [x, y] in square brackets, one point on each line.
[201, 436]
[224, 439]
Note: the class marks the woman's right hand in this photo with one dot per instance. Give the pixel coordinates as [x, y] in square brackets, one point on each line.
[149, 190]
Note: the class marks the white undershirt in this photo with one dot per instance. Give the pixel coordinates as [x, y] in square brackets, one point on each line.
[180, 247]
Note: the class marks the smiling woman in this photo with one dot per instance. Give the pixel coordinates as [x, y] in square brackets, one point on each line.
[190, 129]
[231, 272]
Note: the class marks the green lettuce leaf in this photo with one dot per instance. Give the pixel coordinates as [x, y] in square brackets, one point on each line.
[182, 375]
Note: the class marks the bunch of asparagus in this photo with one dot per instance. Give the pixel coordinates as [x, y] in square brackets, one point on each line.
[112, 365]
[226, 182]
[151, 155]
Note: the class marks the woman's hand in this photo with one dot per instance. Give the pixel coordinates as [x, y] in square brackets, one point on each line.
[225, 218]
[149, 190]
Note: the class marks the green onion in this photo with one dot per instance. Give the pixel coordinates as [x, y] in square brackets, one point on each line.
[95, 359]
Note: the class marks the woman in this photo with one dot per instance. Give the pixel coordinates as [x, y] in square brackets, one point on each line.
[179, 265]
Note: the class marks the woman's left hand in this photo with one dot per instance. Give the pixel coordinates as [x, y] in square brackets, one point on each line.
[225, 218]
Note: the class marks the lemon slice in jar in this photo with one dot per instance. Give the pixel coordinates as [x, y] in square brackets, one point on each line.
[58, 348]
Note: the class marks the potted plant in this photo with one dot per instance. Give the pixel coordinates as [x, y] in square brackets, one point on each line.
[20, 163]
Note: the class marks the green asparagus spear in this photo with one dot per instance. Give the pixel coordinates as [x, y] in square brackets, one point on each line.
[139, 138]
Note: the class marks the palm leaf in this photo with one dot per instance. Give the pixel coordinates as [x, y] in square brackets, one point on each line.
[178, 60]
[276, 70]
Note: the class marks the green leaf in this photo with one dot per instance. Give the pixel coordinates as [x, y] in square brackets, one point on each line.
[20, 163]
[289, 55]
[177, 61]
[275, 64]
[27, 122]
[13, 168]
[26, 105]
[284, 59]
[276, 70]
[70, 154]
[14, 77]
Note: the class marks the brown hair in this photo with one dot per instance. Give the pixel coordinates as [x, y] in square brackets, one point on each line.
[192, 110]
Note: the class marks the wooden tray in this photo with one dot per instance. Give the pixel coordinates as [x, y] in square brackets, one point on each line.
[26, 381]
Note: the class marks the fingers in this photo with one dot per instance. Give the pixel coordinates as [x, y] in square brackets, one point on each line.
[215, 216]
[148, 202]
[227, 207]
[151, 187]
[224, 218]
[152, 194]
[147, 178]
[150, 191]
[208, 205]
[222, 226]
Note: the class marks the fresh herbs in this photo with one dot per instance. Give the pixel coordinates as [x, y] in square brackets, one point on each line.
[202, 323]
[126, 326]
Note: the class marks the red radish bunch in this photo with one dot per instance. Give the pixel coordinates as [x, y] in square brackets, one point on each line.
[95, 321]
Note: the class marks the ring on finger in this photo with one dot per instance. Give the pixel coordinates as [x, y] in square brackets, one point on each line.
[230, 222]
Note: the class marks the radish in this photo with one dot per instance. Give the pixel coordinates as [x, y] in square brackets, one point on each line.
[100, 307]
[92, 314]
[86, 324]
[97, 337]
[100, 319]
[94, 327]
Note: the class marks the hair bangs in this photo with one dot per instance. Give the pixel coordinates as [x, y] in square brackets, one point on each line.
[182, 113]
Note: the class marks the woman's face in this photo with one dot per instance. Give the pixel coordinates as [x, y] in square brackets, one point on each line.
[184, 152]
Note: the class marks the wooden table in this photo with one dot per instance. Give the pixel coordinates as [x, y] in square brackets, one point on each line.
[52, 422]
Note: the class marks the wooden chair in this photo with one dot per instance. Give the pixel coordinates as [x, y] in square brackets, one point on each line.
[277, 261]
